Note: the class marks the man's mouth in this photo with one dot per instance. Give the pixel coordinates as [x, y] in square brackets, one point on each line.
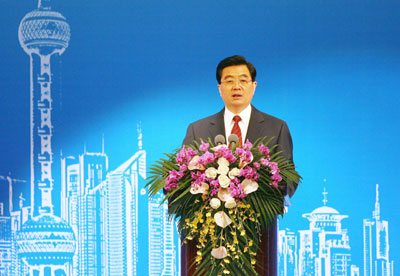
[236, 96]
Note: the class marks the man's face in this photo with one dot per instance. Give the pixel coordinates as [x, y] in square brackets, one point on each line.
[236, 88]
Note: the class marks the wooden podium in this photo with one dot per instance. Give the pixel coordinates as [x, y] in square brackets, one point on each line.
[267, 262]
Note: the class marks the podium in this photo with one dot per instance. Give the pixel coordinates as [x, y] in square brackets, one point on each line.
[267, 255]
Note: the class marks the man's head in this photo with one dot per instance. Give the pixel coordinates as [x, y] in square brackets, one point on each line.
[235, 60]
[236, 82]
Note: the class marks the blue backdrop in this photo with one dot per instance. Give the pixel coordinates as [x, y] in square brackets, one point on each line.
[330, 69]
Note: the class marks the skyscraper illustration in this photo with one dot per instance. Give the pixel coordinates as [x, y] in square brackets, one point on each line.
[321, 250]
[120, 216]
[45, 243]
[42, 34]
[324, 247]
[81, 208]
[162, 253]
[376, 243]
[6, 238]
[12, 216]
[102, 209]
[288, 258]
[5, 244]
[354, 270]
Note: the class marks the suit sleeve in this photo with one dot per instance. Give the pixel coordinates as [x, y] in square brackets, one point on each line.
[286, 145]
[190, 137]
[285, 142]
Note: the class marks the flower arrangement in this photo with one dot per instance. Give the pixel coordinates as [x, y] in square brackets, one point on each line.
[224, 198]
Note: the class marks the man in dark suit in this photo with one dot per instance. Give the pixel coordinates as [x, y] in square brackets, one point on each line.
[237, 83]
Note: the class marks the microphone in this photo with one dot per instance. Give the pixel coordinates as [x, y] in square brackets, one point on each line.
[233, 139]
[219, 140]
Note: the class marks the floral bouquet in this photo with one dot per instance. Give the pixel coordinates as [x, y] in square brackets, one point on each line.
[224, 199]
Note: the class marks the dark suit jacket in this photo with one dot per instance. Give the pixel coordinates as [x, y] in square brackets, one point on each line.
[260, 125]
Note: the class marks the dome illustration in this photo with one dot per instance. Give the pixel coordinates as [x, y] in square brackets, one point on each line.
[46, 240]
[44, 31]
[325, 210]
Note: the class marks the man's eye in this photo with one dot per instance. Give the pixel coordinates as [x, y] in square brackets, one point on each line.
[229, 82]
[244, 81]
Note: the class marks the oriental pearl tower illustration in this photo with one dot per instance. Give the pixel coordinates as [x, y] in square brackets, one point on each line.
[46, 243]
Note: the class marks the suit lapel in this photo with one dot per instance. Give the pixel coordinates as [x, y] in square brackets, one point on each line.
[217, 125]
[254, 130]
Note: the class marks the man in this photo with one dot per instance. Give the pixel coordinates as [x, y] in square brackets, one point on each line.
[237, 83]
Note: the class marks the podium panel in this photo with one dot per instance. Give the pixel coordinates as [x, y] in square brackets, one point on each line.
[267, 263]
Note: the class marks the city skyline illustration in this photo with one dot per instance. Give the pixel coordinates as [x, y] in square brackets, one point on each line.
[107, 225]
[325, 248]
[97, 233]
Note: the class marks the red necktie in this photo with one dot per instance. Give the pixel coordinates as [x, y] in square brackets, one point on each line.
[236, 129]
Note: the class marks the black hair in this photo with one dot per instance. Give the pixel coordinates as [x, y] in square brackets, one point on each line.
[232, 61]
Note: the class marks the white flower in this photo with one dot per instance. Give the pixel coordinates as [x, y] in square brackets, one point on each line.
[215, 203]
[223, 162]
[233, 173]
[224, 194]
[211, 173]
[224, 181]
[200, 189]
[249, 186]
[243, 163]
[230, 203]
[219, 253]
[222, 219]
[218, 147]
[193, 164]
[223, 170]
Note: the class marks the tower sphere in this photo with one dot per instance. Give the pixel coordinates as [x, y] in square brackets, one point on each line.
[46, 240]
[44, 32]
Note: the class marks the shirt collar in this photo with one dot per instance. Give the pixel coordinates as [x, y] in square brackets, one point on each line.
[244, 115]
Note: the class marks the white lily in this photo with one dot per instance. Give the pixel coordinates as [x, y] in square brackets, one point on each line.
[222, 219]
[219, 253]
[218, 147]
[200, 189]
[249, 186]
[230, 203]
[224, 194]
[193, 164]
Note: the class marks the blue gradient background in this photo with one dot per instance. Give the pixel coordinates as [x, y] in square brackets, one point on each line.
[329, 68]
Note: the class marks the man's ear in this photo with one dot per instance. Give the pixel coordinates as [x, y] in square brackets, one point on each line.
[219, 88]
[255, 85]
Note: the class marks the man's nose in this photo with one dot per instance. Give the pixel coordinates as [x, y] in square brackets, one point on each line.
[236, 84]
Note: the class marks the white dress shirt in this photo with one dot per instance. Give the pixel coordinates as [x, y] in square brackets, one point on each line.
[243, 124]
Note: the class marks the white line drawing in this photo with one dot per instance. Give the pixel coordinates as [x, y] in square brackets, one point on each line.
[45, 243]
[323, 249]
[376, 244]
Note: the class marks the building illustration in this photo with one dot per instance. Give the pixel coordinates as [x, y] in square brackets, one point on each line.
[288, 253]
[323, 249]
[162, 253]
[81, 208]
[376, 244]
[107, 225]
[98, 231]
[325, 245]
[12, 216]
[42, 34]
[45, 243]
[102, 208]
